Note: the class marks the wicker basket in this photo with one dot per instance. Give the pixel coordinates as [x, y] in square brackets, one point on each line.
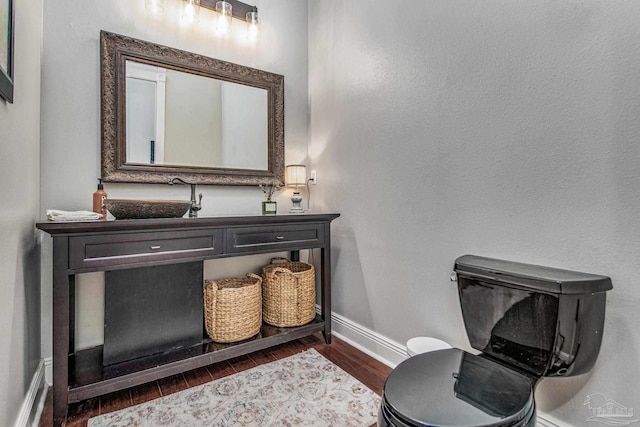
[288, 293]
[232, 308]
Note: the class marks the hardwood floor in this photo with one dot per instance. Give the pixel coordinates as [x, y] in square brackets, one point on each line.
[361, 366]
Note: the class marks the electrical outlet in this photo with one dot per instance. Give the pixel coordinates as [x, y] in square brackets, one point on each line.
[313, 177]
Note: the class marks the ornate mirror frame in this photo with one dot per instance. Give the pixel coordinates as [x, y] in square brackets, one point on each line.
[116, 49]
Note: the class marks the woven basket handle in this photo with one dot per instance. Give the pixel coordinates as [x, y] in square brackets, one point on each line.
[275, 270]
[273, 273]
[255, 276]
[279, 270]
[278, 259]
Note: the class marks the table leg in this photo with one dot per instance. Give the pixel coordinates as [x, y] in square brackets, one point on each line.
[61, 337]
[325, 289]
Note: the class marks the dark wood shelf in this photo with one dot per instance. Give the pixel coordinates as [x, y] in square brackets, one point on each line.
[90, 379]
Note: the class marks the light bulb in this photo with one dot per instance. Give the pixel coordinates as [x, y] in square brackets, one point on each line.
[252, 32]
[155, 6]
[223, 23]
[190, 11]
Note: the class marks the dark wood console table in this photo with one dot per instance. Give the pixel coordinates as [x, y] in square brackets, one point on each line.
[83, 247]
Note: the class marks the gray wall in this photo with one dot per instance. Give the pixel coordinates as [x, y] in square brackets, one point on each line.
[71, 117]
[20, 195]
[500, 128]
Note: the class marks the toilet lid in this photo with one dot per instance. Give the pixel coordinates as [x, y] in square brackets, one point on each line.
[455, 388]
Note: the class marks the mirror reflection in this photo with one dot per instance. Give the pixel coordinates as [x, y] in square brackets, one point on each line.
[176, 118]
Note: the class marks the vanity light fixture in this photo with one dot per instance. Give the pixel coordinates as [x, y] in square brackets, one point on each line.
[229, 9]
[226, 10]
[252, 32]
[155, 6]
[296, 177]
[225, 13]
[190, 11]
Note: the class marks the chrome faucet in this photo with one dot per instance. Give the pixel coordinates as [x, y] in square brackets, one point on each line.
[195, 206]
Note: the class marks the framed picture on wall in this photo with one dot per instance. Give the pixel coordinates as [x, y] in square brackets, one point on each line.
[6, 49]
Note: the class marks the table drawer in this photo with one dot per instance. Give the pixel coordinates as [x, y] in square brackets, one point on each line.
[139, 248]
[274, 238]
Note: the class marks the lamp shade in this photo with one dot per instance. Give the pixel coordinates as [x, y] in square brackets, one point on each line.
[296, 175]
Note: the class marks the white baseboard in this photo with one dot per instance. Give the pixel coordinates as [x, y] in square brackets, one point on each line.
[48, 370]
[367, 341]
[391, 353]
[370, 342]
[33, 403]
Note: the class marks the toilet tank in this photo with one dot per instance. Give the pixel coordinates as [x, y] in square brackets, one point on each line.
[545, 321]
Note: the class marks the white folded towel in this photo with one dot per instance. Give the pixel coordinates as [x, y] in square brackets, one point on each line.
[71, 216]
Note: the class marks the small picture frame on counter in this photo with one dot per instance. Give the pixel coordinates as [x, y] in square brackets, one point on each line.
[269, 207]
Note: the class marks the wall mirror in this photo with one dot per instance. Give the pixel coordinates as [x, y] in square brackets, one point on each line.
[167, 112]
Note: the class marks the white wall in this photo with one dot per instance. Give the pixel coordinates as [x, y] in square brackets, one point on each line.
[500, 128]
[20, 195]
[71, 115]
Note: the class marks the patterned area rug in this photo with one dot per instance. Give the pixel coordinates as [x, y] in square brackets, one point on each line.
[301, 390]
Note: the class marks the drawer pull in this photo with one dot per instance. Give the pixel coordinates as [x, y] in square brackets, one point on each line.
[279, 237]
[155, 247]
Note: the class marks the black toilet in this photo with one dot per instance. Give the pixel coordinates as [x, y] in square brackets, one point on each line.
[527, 321]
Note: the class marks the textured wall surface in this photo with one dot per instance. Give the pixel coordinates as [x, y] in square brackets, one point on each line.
[71, 116]
[500, 128]
[20, 195]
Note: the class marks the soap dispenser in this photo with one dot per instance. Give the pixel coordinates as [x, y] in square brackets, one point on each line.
[98, 200]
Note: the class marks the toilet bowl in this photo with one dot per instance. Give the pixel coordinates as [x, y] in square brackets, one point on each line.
[419, 345]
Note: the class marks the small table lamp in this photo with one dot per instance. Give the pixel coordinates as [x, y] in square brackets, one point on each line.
[296, 176]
